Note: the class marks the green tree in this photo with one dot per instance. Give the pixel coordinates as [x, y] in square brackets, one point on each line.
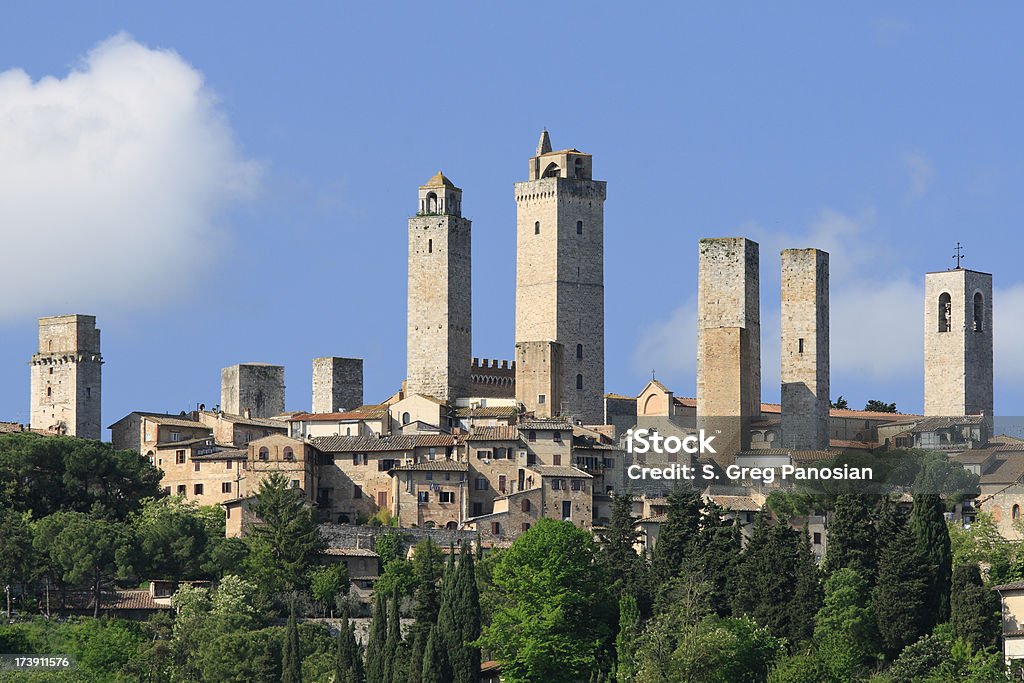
[618, 543]
[326, 584]
[840, 403]
[552, 616]
[626, 640]
[974, 609]
[286, 541]
[432, 670]
[807, 593]
[931, 536]
[395, 660]
[876, 406]
[291, 662]
[799, 668]
[425, 609]
[348, 660]
[716, 556]
[375, 648]
[852, 537]
[677, 535]
[174, 539]
[463, 652]
[900, 595]
[844, 629]
[16, 554]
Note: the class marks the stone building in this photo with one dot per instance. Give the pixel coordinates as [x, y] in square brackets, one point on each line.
[560, 277]
[368, 420]
[143, 432]
[958, 343]
[297, 461]
[66, 377]
[438, 341]
[430, 494]
[805, 349]
[539, 377]
[728, 340]
[252, 389]
[200, 471]
[238, 430]
[337, 384]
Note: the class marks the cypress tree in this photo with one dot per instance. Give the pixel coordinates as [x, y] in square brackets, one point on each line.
[931, 536]
[393, 642]
[432, 657]
[465, 658]
[900, 596]
[626, 640]
[677, 535]
[717, 555]
[375, 653]
[852, 537]
[425, 616]
[768, 571]
[974, 609]
[618, 541]
[291, 657]
[807, 593]
[446, 635]
[347, 660]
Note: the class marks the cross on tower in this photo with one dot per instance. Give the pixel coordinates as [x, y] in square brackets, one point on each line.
[959, 255]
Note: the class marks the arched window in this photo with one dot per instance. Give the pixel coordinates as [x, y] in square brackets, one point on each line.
[289, 454]
[579, 350]
[1016, 512]
[532, 436]
[406, 418]
[264, 453]
[979, 312]
[452, 525]
[536, 228]
[432, 203]
[579, 227]
[579, 381]
[945, 312]
[428, 525]
[525, 507]
[578, 167]
[552, 171]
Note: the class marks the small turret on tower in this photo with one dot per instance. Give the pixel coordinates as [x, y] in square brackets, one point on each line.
[440, 196]
[544, 145]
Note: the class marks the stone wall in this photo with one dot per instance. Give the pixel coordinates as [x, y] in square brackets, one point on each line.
[337, 384]
[805, 349]
[66, 377]
[256, 388]
[539, 377]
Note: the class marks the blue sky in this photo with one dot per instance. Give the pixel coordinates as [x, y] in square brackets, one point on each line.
[246, 174]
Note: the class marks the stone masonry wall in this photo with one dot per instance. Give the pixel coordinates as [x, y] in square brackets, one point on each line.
[66, 376]
[254, 387]
[337, 384]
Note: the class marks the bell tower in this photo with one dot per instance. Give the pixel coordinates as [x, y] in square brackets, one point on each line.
[560, 277]
[439, 333]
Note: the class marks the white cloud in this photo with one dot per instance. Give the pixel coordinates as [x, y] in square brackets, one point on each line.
[669, 347]
[1008, 330]
[919, 172]
[112, 180]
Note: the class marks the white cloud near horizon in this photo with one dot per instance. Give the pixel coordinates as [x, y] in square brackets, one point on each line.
[113, 180]
[920, 173]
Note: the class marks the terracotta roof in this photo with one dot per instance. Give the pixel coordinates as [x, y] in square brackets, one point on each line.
[242, 419]
[499, 433]
[736, 503]
[932, 423]
[116, 600]
[350, 552]
[166, 419]
[443, 465]
[487, 411]
[363, 444]
[439, 180]
[185, 442]
[974, 456]
[654, 519]
[776, 409]
[1015, 586]
[224, 454]
[560, 471]
[846, 443]
[1009, 469]
[620, 396]
[368, 412]
[553, 424]
[434, 440]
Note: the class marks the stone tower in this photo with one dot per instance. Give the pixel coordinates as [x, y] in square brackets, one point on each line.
[66, 377]
[805, 350]
[439, 335]
[958, 343]
[253, 388]
[728, 339]
[539, 376]
[337, 384]
[560, 274]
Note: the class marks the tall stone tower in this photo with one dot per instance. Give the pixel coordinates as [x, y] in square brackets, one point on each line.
[560, 274]
[253, 388]
[66, 377]
[439, 335]
[728, 340]
[958, 343]
[337, 384]
[805, 350]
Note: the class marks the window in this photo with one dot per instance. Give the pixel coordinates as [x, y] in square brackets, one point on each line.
[532, 436]
[526, 526]
[579, 382]
[556, 485]
[945, 312]
[289, 454]
[566, 509]
[225, 487]
[496, 528]
[179, 457]
[577, 485]
[175, 436]
[557, 437]
[579, 227]
[264, 453]
[387, 465]
[609, 463]
[88, 393]
[800, 345]
[579, 350]
[406, 418]
[431, 453]
[430, 476]
[359, 458]
[481, 484]
[430, 246]
[228, 465]
[181, 489]
[293, 484]
[446, 496]
[525, 505]
[817, 538]
[197, 466]
[357, 492]
[502, 483]
[1016, 512]
[536, 228]
[197, 489]
[979, 312]
[422, 497]
[556, 459]
[49, 391]
[478, 509]
[541, 398]
[382, 499]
